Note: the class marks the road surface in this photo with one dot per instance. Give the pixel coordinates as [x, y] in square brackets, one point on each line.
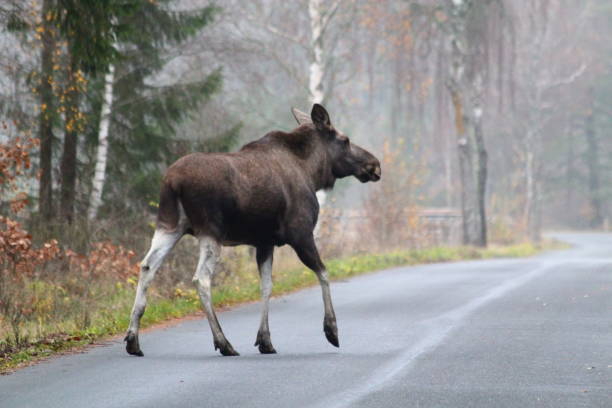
[502, 333]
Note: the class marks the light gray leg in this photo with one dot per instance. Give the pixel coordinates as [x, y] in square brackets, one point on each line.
[329, 322]
[162, 243]
[210, 251]
[264, 263]
[309, 255]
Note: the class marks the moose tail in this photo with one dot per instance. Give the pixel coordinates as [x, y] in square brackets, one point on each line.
[168, 214]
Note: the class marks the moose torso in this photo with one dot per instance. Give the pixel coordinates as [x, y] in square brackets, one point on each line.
[263, 194]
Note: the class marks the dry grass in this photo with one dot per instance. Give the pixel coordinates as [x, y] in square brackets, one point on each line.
[59, 322]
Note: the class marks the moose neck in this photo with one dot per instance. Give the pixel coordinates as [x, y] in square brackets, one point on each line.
[316, 160]
[305, 148]
[311, 154]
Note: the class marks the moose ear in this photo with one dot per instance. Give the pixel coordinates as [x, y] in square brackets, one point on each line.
[320, 117]
[301, 117]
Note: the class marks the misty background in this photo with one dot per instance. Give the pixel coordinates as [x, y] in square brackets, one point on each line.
[539, 72]
[445, 84]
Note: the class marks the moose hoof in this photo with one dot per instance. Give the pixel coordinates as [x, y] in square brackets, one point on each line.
[266, 348]
[331, 332]
[132, 346]
[264, 343]
[225, 348]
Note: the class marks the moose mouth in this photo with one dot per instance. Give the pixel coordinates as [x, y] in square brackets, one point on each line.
[369, 174]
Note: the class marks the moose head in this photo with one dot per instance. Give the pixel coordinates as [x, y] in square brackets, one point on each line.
[347, 159]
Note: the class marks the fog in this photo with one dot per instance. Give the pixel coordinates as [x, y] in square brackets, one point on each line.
[498, 111]
[539, 71]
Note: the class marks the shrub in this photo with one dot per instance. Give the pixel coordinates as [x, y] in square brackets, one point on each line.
[18, 262]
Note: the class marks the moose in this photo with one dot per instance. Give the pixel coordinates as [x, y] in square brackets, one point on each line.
[264, 195]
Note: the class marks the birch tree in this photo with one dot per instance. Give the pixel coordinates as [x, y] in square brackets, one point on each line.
[127, 98]
[102, 152]
[319, 21]
[317, 44]
[89, 32]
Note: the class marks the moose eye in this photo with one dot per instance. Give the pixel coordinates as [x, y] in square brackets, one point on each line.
[344, 140]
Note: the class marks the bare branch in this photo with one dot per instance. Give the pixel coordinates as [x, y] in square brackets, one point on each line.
[564, 81]
[329, 15]
[275, 31]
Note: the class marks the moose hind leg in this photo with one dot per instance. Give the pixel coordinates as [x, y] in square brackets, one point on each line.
[309, 255]
[264, 263]
[163, 241]
[210, 250]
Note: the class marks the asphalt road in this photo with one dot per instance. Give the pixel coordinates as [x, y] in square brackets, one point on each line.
[504, 333]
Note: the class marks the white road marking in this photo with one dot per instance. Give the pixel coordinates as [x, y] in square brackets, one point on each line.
[441, 326]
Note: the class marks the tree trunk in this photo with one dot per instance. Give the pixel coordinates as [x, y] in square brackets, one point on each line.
[371, 69]
[468, 184]
[481, 176]
[102, 153]
[441, 124]
[596, 213]
[530, 189]
[466, 88]
[316, 70]
[448, 172]
[535, 213]
[468, 207]
[396, 94]
[569, 176]
[69, 157]
[533, 204]
[47, 112]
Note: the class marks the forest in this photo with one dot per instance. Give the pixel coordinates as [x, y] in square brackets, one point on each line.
[492, 120]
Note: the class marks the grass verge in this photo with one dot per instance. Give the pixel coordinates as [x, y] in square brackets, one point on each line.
[112, 318]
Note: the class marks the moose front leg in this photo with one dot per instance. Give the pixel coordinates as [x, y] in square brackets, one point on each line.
[309, 255]
[264, 263]
[329, 323]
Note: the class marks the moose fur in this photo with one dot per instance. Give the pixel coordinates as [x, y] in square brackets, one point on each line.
[263, 196]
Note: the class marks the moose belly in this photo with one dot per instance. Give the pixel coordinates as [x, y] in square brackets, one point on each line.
[240, 229]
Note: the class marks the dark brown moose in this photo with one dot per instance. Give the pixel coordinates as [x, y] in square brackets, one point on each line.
[262, 195]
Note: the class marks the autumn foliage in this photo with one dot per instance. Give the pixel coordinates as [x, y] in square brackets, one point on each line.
[103, 261]
[392, 204]
[41, 282]
[17, 252]
[15, 161]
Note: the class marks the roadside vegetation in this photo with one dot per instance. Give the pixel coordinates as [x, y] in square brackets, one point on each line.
[57, 315]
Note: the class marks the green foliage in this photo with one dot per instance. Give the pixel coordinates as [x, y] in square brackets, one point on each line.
[146, 114]
[15, 23]
[83, 38]
[89, 29]
[94, 28]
